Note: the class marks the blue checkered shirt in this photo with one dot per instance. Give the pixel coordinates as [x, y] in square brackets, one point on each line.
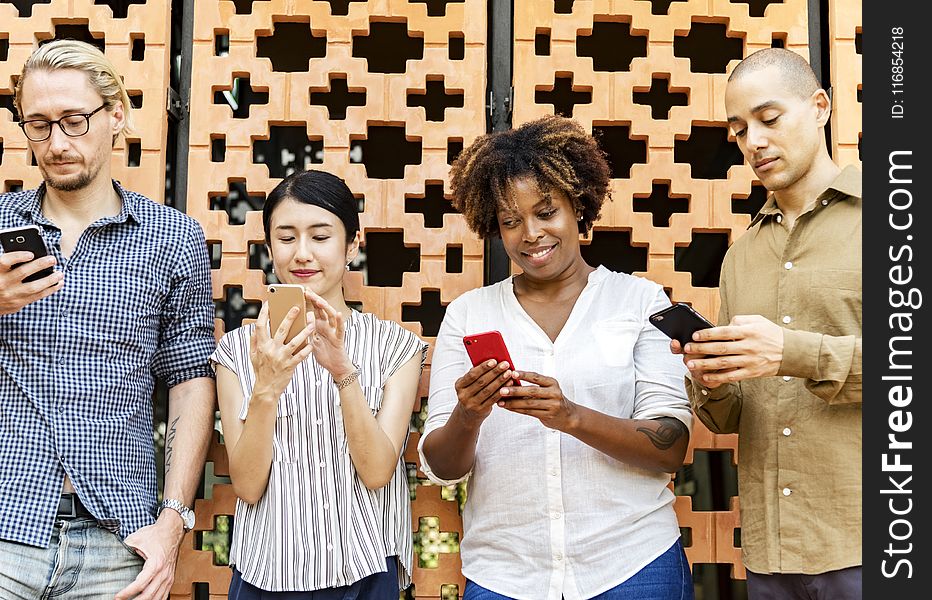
[78, 368]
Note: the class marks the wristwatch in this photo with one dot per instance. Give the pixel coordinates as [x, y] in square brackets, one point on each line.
[187, 515]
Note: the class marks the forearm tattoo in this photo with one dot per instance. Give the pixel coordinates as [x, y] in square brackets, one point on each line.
[667, 434]
[169, 441]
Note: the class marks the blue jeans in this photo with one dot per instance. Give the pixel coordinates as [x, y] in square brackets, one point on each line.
[378, 586]
[666, 578]
[82, 560]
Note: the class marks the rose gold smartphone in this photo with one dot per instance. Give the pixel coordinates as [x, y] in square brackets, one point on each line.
[282, 297]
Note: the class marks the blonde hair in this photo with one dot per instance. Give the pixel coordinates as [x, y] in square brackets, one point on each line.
[81, 56]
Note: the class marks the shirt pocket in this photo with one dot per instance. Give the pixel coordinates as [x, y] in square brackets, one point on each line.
[835, 302]
[615, 339]
[285, 438]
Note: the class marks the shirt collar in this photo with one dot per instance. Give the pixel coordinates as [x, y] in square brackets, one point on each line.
[846, 185]
[129, 209]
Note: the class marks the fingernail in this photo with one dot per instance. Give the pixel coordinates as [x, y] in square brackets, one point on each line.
[691, 365]
[504, 391]
[491, 363]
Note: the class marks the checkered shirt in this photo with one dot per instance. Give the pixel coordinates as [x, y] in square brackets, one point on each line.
[78, 368]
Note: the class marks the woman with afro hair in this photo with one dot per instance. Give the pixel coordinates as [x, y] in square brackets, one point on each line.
[569, 450]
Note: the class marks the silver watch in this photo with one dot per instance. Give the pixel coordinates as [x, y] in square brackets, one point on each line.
[187, 515]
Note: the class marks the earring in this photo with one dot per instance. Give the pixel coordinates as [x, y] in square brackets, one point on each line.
[347, 266]
[579, 217]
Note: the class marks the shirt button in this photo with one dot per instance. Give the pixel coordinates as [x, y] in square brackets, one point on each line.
[321, 464]
[318, 421]
[787, 491]
[553, 472]
[787, 431]
[61, 409]
[64, 311]
[329, 546]
[788, 265]
[779, 218]
[555, 516]
[824, 202]
[317, 382]
[705, 392]
[326, 505]
[787, 319]
[558, 556]
[786, 378]
[61, 360]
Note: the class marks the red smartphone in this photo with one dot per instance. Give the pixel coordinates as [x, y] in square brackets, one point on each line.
[489, 344]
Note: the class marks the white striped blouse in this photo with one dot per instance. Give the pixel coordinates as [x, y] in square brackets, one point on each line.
[317, 526]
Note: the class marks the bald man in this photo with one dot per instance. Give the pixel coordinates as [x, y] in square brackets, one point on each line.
[783, 369]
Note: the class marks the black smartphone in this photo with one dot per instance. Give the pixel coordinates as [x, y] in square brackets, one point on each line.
[26, 239]
[679, 322]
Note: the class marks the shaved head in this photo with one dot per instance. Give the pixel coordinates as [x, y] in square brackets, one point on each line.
[796, 72]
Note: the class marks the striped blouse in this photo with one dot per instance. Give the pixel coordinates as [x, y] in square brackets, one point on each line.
[317, 526]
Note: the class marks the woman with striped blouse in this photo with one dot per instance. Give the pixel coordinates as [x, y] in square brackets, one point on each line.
[314, 434]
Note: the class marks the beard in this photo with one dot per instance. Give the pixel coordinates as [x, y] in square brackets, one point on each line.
[71, 183]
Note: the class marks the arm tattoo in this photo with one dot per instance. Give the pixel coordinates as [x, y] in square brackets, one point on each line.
[667, 434]
[169, 440]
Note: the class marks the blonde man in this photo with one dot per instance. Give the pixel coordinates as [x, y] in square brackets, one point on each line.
[128, 302]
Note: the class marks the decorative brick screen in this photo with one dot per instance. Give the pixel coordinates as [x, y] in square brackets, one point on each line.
[385, 93]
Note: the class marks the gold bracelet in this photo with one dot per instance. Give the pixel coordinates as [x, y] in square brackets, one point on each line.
[347, 380]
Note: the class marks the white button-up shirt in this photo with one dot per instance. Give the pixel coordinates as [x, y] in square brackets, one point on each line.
[546, 515]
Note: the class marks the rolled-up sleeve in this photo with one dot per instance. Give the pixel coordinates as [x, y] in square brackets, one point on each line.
[186, 338]
[659, 390]
[831, 365]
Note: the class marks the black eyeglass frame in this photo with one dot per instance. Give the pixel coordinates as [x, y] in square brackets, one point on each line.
[87, 124]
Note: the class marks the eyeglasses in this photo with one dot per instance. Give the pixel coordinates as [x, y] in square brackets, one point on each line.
[76, 125]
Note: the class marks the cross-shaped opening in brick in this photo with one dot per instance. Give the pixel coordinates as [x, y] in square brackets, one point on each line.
[614, 250]
[388, 258]
[429, 313]
[661, 204]
[611, 45]
[433, 204]
[702, 258]
[291, 46]
[435, 100]
[338, 97]
[563, 95]
[708, 152]
[622, 151]
[660, 98]
[708, 47]
[382, 36]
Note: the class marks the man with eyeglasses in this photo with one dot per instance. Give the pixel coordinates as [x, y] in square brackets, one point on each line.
[128, 302]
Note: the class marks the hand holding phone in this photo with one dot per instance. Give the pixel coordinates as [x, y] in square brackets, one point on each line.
[488, 345]
[26, 239]
[27, 272]
[679, 322]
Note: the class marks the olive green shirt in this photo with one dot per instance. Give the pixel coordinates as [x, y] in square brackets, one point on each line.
[799, 433]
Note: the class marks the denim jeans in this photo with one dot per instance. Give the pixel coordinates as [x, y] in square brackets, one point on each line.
[667, 577]
[82, 561]
[378, 586]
